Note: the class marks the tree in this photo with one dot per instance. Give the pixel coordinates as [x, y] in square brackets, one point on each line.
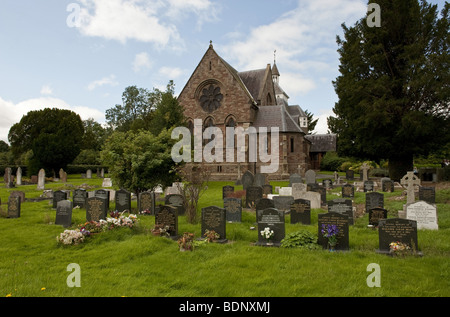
[394, 85]
[140, 161]
[54, 136]
[311, 123]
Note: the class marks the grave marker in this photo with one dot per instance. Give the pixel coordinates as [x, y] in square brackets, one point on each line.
[387, 185]
[294, 179]
[310, 177]
[146, 201]
[253, 193]
[283, 203]
[397, 230]
[365, 172]
[214, 218]
[64, 213]
[427, 194]
[265, 203]
[79, 197]
[227, 190]
[167, 215]
[177, 201]
[58, 196]
[301, 211]
[96, 208]
[348, 191]
[274, 220]
[368, 186]
[41, 179]
[247, 180]
[233, 209]
[410, 180]
[425, 214]
[267, 190]
[342, 206]
[105, 194]
[341, 222]
[375, 214]
[373, 200]
[350, 175]
[19, 176]
[259, 180]
[14, 204]
[123, 200]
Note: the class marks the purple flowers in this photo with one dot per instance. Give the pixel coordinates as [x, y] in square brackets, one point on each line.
[329, 231]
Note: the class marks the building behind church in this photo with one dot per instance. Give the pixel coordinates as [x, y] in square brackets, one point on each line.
[217, 95]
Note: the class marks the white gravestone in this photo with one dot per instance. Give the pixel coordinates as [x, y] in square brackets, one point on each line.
[424, 213]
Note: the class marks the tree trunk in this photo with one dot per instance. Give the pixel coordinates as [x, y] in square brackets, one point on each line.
[399, 166]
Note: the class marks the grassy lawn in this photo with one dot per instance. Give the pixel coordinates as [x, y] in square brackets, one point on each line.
[134, 263]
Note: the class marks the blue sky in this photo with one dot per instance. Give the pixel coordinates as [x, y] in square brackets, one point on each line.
[46, 60]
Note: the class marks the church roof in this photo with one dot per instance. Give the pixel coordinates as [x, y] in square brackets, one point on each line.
[322, 142]
[253, 79]
[276, 116]
[275, 71]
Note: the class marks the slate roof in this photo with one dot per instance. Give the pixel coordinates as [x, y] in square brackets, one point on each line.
[253, 80]
[276, 116]
[322, 142]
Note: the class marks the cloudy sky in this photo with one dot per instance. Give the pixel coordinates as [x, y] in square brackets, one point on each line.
[82, 54]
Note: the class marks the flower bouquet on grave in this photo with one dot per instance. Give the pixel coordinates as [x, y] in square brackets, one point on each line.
[267, 234]
[146, 212]
[399, 249]
[330, 232]
[211, 235]
[186, 242]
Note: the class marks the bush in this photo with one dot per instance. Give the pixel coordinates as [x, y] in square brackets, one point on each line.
[331, 162]
[300, 239]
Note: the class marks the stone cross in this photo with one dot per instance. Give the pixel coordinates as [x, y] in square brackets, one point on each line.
[409, 180]
[365, 169]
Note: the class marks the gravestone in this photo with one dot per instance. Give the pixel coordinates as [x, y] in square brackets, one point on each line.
[19, 176]
[323, 194]
[342, 206]
[105, 194]
[425, 214]
[283, 203]
[301, 211]
[427, 194]
[313, 197]
[58, 196]
[409, 181]
[327, 183]
[350, 175]
[259, 180]
[123, 200]
[375, 214]
[227, 190]
[107, 182]
[253, 193]
[374, 199]
[89, 174]
[368, 186]
[247, 180]
[8, 178]
[310, 177]
[298, 189]
[267, 189]
[285, 191]
[177, 201]
[20, 194]
[146, 201]
[265, 203]
[348, 191]
[233, 209]
[34, 179]
[96, 208]
[365, 172]
[396, 229]
[167, 215]
[41, 180]
[341, 222]
[79, 198]
[64, 213]
[387, 185]
[274, 220]
[294, 179]
[14, 205]
[214, 218]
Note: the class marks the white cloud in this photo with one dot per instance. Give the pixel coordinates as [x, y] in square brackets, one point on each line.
[141, 62]
[322, 124]
[46, 90]
[171, 72]
[12, 113]
[110, 80]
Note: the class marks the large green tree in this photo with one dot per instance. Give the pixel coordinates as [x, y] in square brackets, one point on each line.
[393, 86]
[54, 136]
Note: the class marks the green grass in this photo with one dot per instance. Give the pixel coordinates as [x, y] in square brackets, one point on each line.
[134, 263]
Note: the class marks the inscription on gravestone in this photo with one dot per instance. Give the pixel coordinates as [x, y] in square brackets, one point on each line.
[96, 208]
[375, 214]
[213, 218]
[227, 190]
[105, 194]
[167, 215]
[424, 213]
[348, 191]
[368, 186]
[79, 197]
[253, 193]
[14, 207]
[147, 202]
[387, 185]
[374, 200]
[123, 200]
[301, 211]
[341, 222]
[396, 229]
[274, 220]
[233, 209]
[64, 213]
[342, 206]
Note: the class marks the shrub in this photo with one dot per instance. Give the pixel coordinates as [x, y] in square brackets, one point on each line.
[300, 239]
[331, 162]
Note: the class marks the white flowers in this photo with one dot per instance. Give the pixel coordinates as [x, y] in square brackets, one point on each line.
[121, 221]
[70, 237]
[267, 233]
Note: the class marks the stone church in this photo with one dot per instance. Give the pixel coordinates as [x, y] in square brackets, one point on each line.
[217, 95]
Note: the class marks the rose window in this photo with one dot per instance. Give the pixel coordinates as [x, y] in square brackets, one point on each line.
[211, 98]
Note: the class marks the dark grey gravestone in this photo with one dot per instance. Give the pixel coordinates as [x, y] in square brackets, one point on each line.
[253, 193]
[20, 194]
[79, 197]
[374, 200]
[14, 204]
[103, 193]
[396, 229]
[349, 175]
[123, 200]
[274, 220]
[176, 200]
[375, 214]
[64, 213]
[214, 218]
[96, 208]
[146, 202]
[227, 190]
[267, 189]
[311, 187]
[259, 180]
[427, 194]
[387, 185]
[295, 178]
[58, 196]
[283, 203]
[368, 186]
[342, 206]
[264, 203]
[301, 211]
[341, 222]
[323, 194]
[233, 209]
[167, 215]
[348, 191]
[247, 180]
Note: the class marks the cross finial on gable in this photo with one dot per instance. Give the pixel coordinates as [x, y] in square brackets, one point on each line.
[210, 43]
